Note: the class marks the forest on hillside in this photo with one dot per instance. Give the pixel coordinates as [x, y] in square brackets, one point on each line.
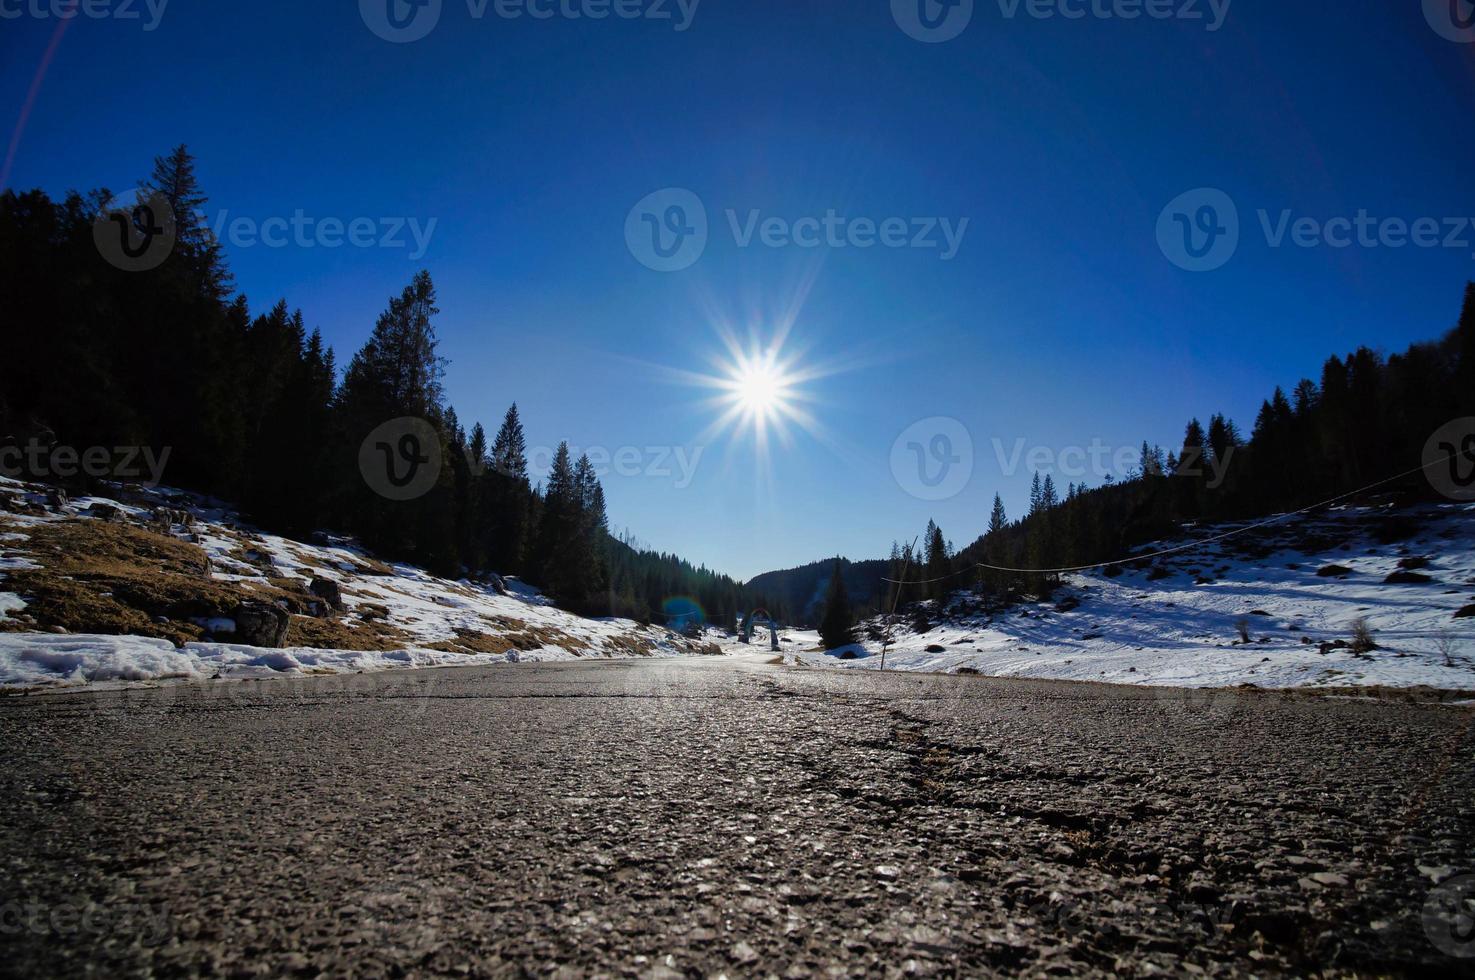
[1364, 423]
[253, 409]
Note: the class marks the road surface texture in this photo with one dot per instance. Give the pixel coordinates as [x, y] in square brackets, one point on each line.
[702, 817]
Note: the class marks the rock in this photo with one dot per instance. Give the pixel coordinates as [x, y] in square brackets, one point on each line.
[1407, 578]
[1333, 571]
[103, 512]
[261, 624]
[1466, 613]
[1202, 888]
[934, 648]
[327, 590]
[497, 585]
[56, 499]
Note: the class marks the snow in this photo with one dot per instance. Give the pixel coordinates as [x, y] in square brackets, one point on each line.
[1135, 628]
[1176, 632]
[41, 660]
[427, 609]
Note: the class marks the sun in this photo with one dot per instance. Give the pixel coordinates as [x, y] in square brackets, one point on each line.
[760, 386]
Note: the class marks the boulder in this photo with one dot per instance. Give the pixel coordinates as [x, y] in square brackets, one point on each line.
[327, 590]
[497, 585]
[260, 624]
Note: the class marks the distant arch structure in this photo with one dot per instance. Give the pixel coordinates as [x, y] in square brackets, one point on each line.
[757, 617]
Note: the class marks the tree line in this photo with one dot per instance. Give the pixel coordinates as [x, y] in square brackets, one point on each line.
[1366, 419]
[254, 411]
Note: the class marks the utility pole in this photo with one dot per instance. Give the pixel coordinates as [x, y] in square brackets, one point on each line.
[891, 620]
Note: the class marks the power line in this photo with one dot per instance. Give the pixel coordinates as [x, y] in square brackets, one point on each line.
[1182, 548]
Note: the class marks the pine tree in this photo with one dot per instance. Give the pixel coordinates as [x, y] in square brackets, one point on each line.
[1224, 439]
[174, 180]
[397, 374]
[510, 501]
[837, 628]
[509, 451]
[997, 521]
[938, 562]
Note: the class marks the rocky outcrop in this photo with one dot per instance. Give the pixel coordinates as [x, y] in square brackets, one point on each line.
[261, 624]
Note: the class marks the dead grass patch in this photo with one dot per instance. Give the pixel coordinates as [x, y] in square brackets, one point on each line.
[101, 577]
[335, 634]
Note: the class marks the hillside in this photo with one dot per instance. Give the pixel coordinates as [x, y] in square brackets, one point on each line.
[798, 593]
[1297, 588]
[199, 593]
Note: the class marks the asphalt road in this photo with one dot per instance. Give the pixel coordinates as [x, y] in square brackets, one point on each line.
[721, 816]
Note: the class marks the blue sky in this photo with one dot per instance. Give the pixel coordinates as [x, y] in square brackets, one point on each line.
[1059, 322]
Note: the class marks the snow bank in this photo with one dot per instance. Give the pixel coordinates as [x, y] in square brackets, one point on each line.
[1166, 626]
[42, 660]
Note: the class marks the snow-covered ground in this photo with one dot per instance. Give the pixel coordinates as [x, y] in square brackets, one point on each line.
[1168, 624]
[470, 621]
[1171, 621]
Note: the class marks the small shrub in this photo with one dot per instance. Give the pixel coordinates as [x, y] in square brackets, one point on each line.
[1362, 637]
[1445, 644]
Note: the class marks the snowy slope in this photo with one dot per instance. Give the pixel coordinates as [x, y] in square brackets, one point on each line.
[432, 621]
[1173, 620]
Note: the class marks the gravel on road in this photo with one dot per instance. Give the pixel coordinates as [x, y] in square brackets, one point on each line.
[724, 815]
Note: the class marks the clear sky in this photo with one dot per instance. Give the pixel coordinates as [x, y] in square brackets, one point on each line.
[1060, 321]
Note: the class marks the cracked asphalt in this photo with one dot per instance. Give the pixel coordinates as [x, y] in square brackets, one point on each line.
[700, 817]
